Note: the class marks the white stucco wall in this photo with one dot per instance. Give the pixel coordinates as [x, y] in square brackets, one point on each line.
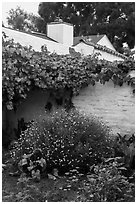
[55, 32]
[26, 39]
[114, 106]
[61, 32]
[84, 49]
[105, 42]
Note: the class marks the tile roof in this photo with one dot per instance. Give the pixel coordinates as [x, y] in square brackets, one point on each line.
[93, 38]
[103, 48]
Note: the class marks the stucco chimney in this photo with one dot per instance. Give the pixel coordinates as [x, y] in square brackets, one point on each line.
[61, 32]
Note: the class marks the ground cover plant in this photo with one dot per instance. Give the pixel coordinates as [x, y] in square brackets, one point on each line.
[104, 182]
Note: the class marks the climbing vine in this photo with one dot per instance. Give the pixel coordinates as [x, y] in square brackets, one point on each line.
[23, 69]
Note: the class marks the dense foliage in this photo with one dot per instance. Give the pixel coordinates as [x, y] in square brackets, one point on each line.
[124, 147]
[95, 166]
[70, 139]
[67, 140]
[23, 69]
[21, 20]
[107, 184]
[115, 19]
[33, 164]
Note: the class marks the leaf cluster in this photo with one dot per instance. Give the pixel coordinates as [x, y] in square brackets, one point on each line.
[125, 146]
[33, 164]
[21, 20]
[23, 69]
[107, 184]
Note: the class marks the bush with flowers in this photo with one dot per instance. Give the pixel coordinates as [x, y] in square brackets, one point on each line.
[66, 140]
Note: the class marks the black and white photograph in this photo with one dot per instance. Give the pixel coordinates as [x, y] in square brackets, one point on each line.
[68, 101]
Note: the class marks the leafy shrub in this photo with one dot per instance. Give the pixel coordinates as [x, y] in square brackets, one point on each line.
[67, 140]
[107, 184]
[104, 182]
[124, 146]
[33, 164]
[23, 69]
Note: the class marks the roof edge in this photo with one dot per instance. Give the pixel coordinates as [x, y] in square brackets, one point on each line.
[36, 34]
[103, 48]
[52, 23]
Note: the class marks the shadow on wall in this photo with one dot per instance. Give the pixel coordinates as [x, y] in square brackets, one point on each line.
[35, 106]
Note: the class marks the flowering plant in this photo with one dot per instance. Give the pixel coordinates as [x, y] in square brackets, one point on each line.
[67, 140]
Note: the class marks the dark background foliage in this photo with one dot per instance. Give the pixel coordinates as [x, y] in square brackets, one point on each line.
[115, 19]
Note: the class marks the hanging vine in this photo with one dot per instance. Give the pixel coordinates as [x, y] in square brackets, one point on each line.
[23, 69]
